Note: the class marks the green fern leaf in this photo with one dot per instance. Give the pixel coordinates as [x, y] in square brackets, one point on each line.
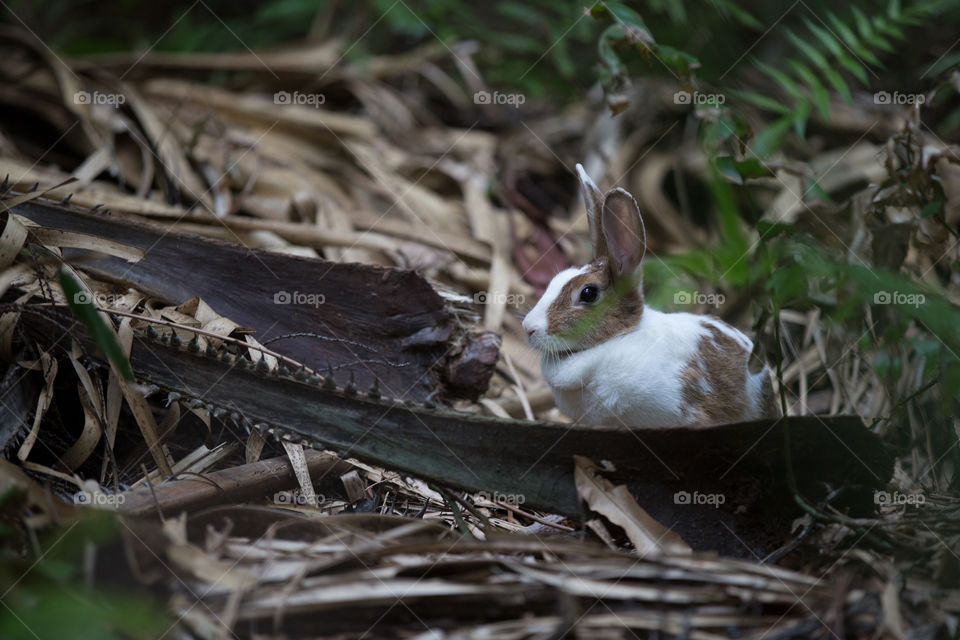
[828, 40]
[838, 83]
[852, 40]
[889, 28]
[863, 24]
[761, 101]
[857, 70]
[785, 81]
[770, 139]
[820, 98]
[808, 50]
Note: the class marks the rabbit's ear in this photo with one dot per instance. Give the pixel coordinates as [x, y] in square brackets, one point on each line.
[593, 200]
[623, 230]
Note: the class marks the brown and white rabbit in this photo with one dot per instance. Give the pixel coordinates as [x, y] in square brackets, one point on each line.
[610, 359]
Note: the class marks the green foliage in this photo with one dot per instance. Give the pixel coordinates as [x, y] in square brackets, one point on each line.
[786, 268]
[807, 57]
[45, 594]
[82, 306]
[805, 53]
[822, 49]
[538, 47]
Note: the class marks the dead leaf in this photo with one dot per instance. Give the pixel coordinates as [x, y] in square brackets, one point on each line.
[619, 507]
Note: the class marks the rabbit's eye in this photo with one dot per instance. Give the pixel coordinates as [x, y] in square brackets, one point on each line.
[589, 294]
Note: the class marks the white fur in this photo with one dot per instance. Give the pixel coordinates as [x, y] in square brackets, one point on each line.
[635, 379]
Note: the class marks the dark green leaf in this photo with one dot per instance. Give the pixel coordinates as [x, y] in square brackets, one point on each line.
[820, 97]
[781, 78]
[853, 67]
[770, 139]
[824, 36]
[809, 50]
[931, 208]
[726, 165]
[681, 62]
[838, 84]
[760, 100]
[83, 307]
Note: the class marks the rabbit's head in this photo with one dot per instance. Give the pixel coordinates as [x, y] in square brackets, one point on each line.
[585, 306]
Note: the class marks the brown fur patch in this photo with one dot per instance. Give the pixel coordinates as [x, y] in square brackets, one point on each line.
[721, 364]
[566, 319]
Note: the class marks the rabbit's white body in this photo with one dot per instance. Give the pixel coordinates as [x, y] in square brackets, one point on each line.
[636, 379]
[610, 359]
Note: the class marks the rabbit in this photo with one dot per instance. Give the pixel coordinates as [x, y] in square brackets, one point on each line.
[611, 360]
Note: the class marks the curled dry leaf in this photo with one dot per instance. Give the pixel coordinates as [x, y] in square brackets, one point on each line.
[619, 507]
